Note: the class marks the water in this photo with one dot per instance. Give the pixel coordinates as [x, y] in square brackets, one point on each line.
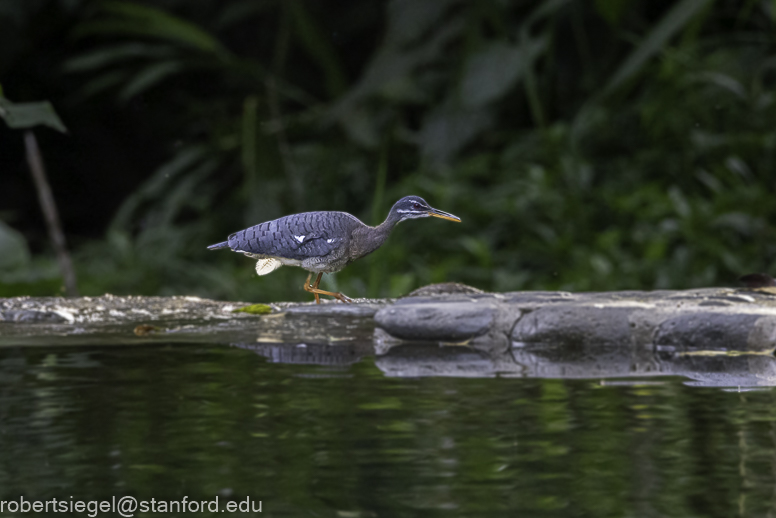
[345, 440]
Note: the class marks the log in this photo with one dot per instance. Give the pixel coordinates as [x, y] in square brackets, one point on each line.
[717, 335]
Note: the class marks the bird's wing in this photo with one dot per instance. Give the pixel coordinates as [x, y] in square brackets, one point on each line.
[299, 236]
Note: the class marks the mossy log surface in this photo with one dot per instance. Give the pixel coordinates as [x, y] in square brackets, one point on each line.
[441, 330]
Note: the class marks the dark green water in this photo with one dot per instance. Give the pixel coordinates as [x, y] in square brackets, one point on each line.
[305, 440]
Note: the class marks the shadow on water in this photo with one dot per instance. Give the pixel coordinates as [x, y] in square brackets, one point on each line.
[423, 430]
[412, 360]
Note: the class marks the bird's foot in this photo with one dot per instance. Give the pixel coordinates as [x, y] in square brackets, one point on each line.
[313, 288]
[344, 298]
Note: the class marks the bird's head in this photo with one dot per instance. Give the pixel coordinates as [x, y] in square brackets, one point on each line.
[411, 207]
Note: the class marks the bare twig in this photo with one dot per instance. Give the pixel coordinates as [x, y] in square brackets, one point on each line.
[49, 207]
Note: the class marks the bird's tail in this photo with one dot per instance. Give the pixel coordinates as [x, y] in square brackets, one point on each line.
[218, 246]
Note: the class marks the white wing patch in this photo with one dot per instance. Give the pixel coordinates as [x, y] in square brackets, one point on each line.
[265, 266]
[299, 238]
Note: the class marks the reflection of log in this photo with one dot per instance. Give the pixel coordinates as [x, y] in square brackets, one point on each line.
[564, 362]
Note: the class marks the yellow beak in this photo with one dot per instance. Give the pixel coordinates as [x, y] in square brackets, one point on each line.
[443, 215]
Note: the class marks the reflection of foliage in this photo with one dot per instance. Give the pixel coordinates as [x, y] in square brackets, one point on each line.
[585, 145]
[331, 441]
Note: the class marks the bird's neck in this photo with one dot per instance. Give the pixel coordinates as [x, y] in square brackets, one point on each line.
[368, 239]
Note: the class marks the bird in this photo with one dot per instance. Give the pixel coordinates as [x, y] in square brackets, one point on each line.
[322, 242]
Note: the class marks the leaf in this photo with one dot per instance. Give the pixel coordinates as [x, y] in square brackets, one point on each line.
[544, 10]
[13, 248]
[158, 184]
[237, 12]
[492, 72]
[612, 10]
[136, 20]
[100, 84]
[726, 82]
[672, 22]
[148, 77]
[109, 55]
[261, 160]
[28, 115]
[448, 129]
[410, 19]
[313, 38]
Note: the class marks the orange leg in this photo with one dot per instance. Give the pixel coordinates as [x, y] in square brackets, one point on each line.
[313, 288]
[308, 287]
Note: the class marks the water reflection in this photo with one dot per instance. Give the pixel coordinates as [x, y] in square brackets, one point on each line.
[382, 440]
[701, 368]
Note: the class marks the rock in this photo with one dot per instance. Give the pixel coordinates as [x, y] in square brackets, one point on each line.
[436, 321]
[31, 316]
[444, 288]
[575, 325]
[716, 332]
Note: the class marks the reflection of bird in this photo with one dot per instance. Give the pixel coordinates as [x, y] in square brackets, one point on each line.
[321, 242]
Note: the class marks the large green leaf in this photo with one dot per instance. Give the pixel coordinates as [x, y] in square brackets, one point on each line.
[148, 77]
[128, 18]
[448, 129]
[317, 43]
[492, 72]
[28, 115]
[106, 56]
[673, 21]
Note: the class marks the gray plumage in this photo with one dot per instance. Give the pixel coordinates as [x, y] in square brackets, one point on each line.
[321, 242]
[316, 241]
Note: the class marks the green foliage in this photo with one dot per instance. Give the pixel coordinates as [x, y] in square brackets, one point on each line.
[600, 145]
[28, 115]
[135, 20]
[20, 273]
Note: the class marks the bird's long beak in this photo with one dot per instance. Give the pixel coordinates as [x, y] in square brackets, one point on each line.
[443, 215]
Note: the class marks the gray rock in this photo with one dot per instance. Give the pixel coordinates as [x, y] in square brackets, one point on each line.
[31, 316]
[437, 321]
[577, 325]
[713, 331]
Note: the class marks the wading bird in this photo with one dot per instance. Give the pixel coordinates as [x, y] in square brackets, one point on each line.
[322, 242]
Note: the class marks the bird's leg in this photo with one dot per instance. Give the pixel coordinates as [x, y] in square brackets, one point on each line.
[308, 287]
[313, 288]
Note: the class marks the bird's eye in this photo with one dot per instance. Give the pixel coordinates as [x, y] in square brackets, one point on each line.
[416, 206]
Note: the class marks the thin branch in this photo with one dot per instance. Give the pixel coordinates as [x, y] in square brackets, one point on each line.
[49, 207]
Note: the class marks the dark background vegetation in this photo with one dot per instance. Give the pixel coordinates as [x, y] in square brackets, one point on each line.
[623, 144]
